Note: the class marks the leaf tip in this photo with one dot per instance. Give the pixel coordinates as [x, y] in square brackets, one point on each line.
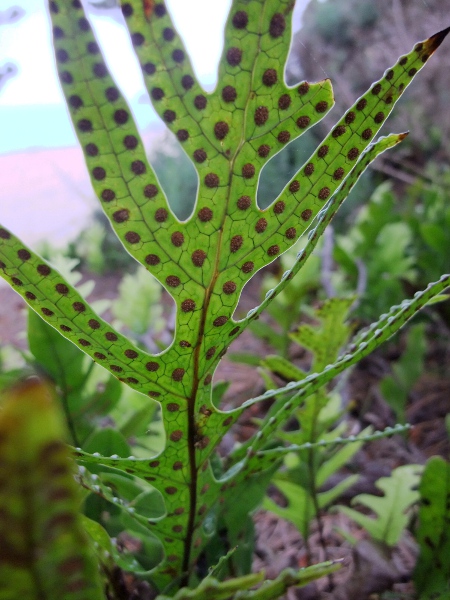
[402, 136]
[433, 43]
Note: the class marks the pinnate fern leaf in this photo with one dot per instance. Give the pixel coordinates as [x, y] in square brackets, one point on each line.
[205, 261]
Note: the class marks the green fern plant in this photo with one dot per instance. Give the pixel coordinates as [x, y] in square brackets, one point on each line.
[205, 261]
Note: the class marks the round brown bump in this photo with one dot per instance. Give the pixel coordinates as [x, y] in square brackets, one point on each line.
[309, 169]
[169, 116]
[185, 344]
[131, 353]
[389, 99]
[43, 269]
[111, 336]
[263, 150]
[99, 356]
[188, 305]
[177, 239]
[168, 34]
[177, 465]
[160, 10]
[100, 70]
[173, 407]
[303, 122]
[99, 173]
[229, 93]
[66, 77]
[210, 352]
[108, 195]
[200, 102]
[211, 180]
[324, 193]
[161, 215]
[61, 288]
[338, 174]
[23, 254]
[62, 56]
[178, 55]
[277, 25]
[350, 117]
[376, 89]
[284, 102]
[75, 102]
[150, 190]
[94, 324]
[152, 259]
[187, 82]
[154, 394]
[306, 214]
[84, 125]
[234, 56]
[294, 186]
[244, 202]
[229, 287]
[138, 167]
[198, 257]
[121, 116]
[91, 149]
[149, 68]
[321, 106]
[152, 366]
[303, 88]
[236, 243]
[48, 313]
[173, 281]
[379, 117]
[200, 155]
[248, 171]
[220, 321]
[54, 8]
[353, 153]
[269, 77]
[78, 307]
[16, 281]
[177, 528]
[31, 296]
[58, 33]
[122, 215]
[389, 74]
[127, 10]
[247, 267]
[261, 225]
[234, 331]
[178, 374]
[412, 72]
[261, 115]
[205, 214]
[83, 342]
[132, 237]
[137, 39]
[339, 130]
[279, 207]
[182, 135]
[131, 380]
[361, 105]
[240, 19]
[221, 129]
[176, 435]
[171, 490]
[291, 233]
[157, 93]
[366, 134]
[323, 151]
[273, 250]
[283, 137]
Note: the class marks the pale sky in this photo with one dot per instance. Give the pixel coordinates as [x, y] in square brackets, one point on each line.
[32, 109]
